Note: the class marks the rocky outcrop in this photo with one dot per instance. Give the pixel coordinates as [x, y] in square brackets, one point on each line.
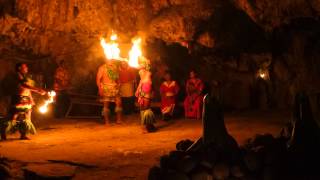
[271, 14]
[216, 37]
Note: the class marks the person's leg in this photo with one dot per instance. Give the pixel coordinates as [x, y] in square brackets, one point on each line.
[118, 110]
[3, 127]
[106, 112]
[23, 126]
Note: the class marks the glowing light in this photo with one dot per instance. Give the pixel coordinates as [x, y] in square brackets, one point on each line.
[111, 49]
[44, 107]
[135, 53]
[263, 74]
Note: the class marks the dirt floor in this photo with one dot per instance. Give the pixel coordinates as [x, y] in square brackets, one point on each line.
[123, 151]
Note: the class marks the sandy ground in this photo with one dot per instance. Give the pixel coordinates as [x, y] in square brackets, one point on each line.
[123, 151]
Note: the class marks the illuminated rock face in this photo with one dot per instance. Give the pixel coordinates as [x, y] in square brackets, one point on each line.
[224, 40]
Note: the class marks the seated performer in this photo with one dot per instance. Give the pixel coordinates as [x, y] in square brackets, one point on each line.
[22, 102]
[108, 86]
[144, 94]
[193, 101]
[168, 91]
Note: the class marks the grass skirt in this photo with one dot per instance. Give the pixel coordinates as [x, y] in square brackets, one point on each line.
[147, 117]
[23, 126]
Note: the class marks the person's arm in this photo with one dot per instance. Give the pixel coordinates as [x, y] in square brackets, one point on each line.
[201, 86]
[138, 89]
[98, 79]
[33, 89]
[187, 87]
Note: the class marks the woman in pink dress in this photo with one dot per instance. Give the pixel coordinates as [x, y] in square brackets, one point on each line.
[168, 91]
[193, 101]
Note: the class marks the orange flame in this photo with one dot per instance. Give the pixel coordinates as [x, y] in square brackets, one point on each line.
[111, 49]
[135, 53]
[44, 107]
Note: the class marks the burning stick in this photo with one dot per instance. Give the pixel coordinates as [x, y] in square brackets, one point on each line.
[44, 107]
[111, 49]
[135, 53]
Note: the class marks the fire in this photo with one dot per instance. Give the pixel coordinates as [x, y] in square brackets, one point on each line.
[262, 75]
[111, 49]
[135, 53]
[44, 107]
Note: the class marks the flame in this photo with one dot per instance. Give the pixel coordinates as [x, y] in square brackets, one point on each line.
[111, 49]
[44, 107]
[135, 53]
[262, 75]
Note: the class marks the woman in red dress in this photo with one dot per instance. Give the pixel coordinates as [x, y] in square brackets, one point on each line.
[168, 91]
[193, 101]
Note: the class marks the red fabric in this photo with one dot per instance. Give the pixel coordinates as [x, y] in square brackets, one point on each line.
[193, 101]
[126, 75]
[168, 94]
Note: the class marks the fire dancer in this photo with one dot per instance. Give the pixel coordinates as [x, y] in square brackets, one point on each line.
[193, 101]
[108, 85]
[144, 94]
[168, 91]
[22, 102]
[127, 80]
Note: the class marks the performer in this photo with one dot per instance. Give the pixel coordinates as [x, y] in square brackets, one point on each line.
[127, 77]
[168, 91]
[108, 85]
[144, 94]
[193, 101]
[22, 102]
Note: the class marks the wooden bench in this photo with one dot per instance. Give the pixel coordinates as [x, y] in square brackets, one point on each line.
[81, 99]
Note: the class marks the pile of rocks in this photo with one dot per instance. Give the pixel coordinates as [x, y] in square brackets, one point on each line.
[293, 155]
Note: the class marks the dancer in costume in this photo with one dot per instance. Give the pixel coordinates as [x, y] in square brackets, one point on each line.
[168, 91]
[22, 102]
[144, 94]
[108, 86]
[193, 101]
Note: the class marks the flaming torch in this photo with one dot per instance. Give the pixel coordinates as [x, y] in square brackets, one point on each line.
[111, 49]
[135, 53]
[44, 107]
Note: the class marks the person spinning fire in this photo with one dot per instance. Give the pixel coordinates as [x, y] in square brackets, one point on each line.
[108, 85]
[22, 103]
[144, 94]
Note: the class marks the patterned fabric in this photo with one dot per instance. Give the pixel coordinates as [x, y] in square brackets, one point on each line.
[22, 103]
[168, 93]
[193, 101]
[145, 96]
[113, 71]
[110, 92]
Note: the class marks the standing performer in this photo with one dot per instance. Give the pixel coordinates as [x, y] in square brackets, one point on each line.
[168, 91]
[108, 86]
[22, 102]
[61, 87]
[127, 77]
[144, 94]
[193, 101]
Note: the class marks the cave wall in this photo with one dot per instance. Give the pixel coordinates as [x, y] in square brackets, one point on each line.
[226, 41]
